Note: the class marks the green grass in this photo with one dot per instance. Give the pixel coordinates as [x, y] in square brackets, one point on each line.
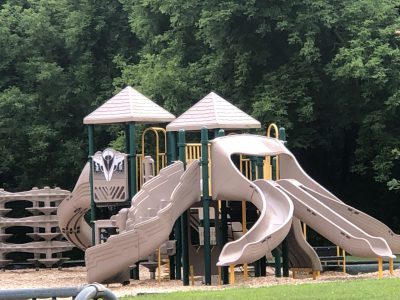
[351, 289]
[350, 258]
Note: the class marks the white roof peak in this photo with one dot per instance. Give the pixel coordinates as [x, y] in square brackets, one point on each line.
[128, 105]
[213, 112]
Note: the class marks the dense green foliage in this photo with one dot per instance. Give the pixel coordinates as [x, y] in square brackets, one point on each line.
[354, 289]
[326, 70]
[56, 65]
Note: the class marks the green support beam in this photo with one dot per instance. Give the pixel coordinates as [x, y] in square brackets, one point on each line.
[132, 178]
[262, 262]
[206, 205]
[285, 245]
[132, 161]
[184, 217]
[92, 203]
[276, 253]
[126, 131]
[171, 157]
[255, 174]
[223, 230]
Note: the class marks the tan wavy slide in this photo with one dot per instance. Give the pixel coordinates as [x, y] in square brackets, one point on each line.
[147, 224]
[291, 169]
[276, 209]
[301, 253]
[350, 232]
[333, 226]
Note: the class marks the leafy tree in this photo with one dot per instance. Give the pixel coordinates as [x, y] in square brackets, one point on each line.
[56, 65]
[326, 70]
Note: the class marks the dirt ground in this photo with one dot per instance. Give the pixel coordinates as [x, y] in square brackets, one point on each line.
[69, 277]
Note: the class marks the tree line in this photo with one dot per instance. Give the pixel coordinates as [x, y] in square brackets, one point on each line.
[328, 71]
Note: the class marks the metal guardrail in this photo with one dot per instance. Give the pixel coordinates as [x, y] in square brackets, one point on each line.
[90, 291]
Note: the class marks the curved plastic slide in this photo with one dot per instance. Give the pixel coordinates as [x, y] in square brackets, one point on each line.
[270, 229]
[366, 237]
[362, 220]
[148, 222]
[333, 226]
[71, 212]
[291, 169]
[301, 253]
[276, 213]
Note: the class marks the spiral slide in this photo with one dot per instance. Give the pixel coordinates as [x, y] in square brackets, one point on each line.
[276, 209]
[299, 196]
[71, 212]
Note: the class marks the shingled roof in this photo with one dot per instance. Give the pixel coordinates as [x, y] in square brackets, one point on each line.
[213, 112]
[129, 106]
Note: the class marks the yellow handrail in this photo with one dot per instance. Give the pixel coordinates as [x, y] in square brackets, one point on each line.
[160, 154]
[267, 162]
[192, 152]
[276, 129]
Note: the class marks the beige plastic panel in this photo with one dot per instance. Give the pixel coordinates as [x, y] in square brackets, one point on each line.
[148, 222]
[110, 177]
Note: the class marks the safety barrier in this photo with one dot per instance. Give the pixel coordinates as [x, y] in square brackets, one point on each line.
[47, 243]
[90, 291]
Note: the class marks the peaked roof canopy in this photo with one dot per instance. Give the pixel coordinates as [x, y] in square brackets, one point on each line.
[128, 106]
[213, 112]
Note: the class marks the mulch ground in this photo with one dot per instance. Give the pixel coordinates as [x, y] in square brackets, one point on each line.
[76, 276]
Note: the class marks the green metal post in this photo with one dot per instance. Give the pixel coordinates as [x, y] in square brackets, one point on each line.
[262, 262]
[132, 161]
[206, 205]
[223, 232]
[282, 135]
[285, 258]
[171, 147]
[132, 178]
[255, 175]
[126, 129]
[184, 217]
[285, 245]
[263, 266]
[178, 222]
[92, 203]
[127, 150]
[171, 157]
[276, 253]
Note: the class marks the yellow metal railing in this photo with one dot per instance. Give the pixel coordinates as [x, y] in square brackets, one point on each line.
[160, 152]
[246, 169]
[193, 152]
[160, 161]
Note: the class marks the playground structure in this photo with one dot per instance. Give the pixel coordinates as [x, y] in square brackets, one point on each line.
[145, 224]
[47, 243]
